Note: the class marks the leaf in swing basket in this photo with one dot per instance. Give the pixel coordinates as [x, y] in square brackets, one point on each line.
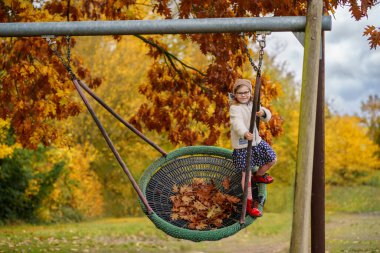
[192, 225]
[226, 183]
[186, 200]
[199, 206]
[215, 209]
[193, 218]
[202, 204]
[232, 199]
[174, 216]
[173, 199]
[185, 189]
[200, 226]
[198, 181]
[217, 222]
[219, 197]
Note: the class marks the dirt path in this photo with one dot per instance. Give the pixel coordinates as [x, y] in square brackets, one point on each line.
[344, 233]
[275, 244]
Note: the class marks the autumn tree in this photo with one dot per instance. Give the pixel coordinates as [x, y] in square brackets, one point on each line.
[371, 117]
[352, 154]
[16, 174]
[35, 89]
[7, 143]
[47, 184]
[183, 96]
[76, 193]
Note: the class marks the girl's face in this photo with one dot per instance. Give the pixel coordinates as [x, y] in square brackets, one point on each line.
[243, 94]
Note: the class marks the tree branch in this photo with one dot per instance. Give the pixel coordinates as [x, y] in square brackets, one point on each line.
[169, 55]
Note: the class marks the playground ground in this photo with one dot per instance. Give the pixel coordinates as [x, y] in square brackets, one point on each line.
[358, 232]
[352, 225]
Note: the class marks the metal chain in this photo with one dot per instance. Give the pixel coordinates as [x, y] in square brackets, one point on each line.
[250, 58]
[262, 44]
[54, 48]
[68, 40]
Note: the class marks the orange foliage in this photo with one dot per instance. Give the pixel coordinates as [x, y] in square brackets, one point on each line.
[189, 105]
[193, 108]
[374, 36]
[35, 89]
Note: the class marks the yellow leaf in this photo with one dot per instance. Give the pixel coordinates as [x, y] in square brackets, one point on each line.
[174, 216]
[201, 226]
[186, 200]
[185, 189]
[199, 206]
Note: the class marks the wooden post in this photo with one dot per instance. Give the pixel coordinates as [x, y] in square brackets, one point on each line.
[302, 196]
[318, 188]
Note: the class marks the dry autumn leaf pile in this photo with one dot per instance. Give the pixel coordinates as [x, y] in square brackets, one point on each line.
[202, 204]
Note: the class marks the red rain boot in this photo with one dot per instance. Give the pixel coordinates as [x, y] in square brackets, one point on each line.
[254, 212]
[265, 179]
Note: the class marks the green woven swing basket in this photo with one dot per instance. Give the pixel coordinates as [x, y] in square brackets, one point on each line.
[180, 167]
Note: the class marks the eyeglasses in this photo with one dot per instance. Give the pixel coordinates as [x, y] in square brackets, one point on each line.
[244, 93]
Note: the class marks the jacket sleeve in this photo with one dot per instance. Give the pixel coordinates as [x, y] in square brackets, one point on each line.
[268, 114]
[237, 122]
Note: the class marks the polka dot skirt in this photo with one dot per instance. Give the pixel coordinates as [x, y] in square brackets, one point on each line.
[261, 155]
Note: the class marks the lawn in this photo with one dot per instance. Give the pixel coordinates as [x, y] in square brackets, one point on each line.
[349, 230]
[133, 235]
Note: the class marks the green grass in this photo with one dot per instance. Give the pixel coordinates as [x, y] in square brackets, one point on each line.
[352, 225]
[358, 199]
[124, 235]
[353, 232]
[271, 233]
[353, 199]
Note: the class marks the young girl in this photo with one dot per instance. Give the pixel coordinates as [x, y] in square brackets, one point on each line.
[263, 155]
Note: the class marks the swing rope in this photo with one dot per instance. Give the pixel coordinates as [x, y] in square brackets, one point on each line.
[111, 145]
[118, 117]
[79, 86]
[175, 168]
[253, 122]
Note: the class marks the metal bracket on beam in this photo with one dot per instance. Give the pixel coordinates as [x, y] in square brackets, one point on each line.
[49, 38]
[263, 33]
[300, 36]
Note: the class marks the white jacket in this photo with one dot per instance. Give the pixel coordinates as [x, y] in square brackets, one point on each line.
[240, 117]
